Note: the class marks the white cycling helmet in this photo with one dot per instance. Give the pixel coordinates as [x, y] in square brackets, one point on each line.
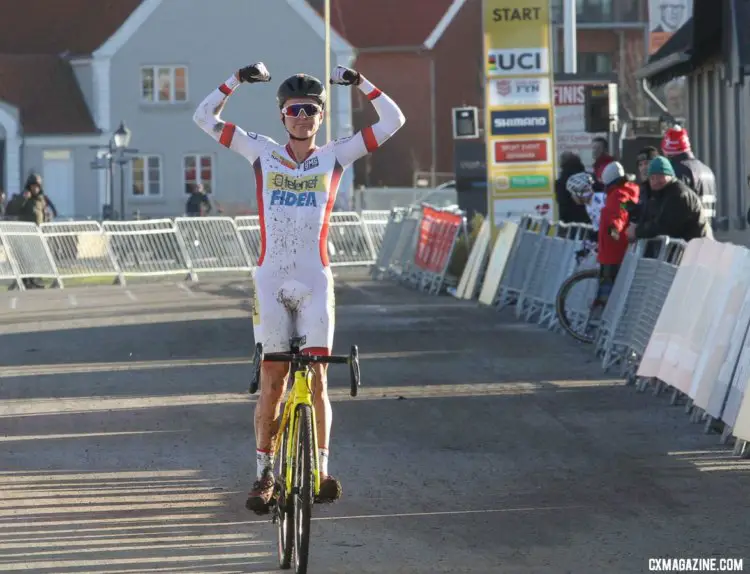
[580, 185]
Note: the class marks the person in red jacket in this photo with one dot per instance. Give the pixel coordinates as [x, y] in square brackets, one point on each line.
[600, 153]
[622, 193]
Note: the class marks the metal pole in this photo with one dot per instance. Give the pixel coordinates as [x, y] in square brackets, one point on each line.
[569, 34]
[111, 194]
[433, 119]
[328, 66]
[122, 190]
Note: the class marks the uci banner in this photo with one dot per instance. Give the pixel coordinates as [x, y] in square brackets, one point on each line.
[519, 109]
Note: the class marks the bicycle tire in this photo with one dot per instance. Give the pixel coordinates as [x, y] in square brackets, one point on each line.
[303, 488]
[563, 293]
[284, 511]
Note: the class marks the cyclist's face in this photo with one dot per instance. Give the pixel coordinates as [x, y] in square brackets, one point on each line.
[302, 125]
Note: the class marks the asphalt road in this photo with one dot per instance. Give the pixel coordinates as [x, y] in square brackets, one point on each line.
[477, 444]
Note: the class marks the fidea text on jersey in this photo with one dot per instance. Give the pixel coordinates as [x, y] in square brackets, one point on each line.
[515, 14]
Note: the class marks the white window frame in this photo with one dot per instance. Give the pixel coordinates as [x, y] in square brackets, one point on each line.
[146, 194]
[197, 157]
[155, 98]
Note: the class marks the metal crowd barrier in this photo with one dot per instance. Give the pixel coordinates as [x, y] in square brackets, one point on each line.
[707, 360]
[188, 246]
[416, 250]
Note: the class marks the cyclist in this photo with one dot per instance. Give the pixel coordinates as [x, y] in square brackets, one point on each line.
[581, 186]
[295, 187]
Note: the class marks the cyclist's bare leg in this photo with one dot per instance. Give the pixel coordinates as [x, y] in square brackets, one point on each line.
[323, 411]
[330, 487]
[273, 380]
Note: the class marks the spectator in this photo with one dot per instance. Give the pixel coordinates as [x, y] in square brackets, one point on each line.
[693, 172]
[675, 210]
[198, 203]
[50, 211]
[621, 191]
[600, 153]
[32, 211]
[13, 209]
[567, 209]
[644, 157]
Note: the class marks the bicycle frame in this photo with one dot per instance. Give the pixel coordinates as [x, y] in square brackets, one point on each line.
[300, 394]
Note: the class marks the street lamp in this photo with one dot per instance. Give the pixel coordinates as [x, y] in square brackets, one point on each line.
[120, 142]
[122, 137]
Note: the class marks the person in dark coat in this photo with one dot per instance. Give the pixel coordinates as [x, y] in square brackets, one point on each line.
[690, 170]
[568, 210]
[675, 209]
[198, 203]
[644, 157]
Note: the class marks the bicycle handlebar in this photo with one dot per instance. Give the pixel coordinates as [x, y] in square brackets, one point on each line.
[303, 359]
[306, 359]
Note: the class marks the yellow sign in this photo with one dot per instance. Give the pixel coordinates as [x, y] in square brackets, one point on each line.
[519, 112]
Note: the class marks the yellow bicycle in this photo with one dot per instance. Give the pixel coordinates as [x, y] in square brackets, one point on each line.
[297, 476]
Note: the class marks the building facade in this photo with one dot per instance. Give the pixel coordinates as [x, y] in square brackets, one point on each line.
[711, 54]
[81, 67]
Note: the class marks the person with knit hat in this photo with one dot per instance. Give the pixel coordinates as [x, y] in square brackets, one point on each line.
[693, 172]
[622, 195]
[676, 210]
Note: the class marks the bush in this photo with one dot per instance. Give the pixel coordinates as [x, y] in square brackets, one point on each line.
[461, 249]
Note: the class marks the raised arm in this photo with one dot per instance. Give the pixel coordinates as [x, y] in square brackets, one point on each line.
[208, 115]
[390, 119]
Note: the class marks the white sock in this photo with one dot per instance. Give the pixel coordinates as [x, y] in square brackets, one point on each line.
[263, 461]
[323, 461]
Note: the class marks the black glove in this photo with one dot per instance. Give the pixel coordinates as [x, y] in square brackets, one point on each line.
[254, 73]
[345, 76]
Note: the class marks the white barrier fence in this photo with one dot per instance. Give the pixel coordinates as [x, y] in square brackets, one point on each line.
[187, 246]
[677, 318]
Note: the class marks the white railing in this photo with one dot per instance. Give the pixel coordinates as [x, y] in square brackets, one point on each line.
[189, 246]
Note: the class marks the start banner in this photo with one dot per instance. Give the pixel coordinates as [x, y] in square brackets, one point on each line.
[520, 114]
[435, 243]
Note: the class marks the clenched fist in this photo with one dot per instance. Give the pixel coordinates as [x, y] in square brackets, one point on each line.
[346, 76]
[254, 73]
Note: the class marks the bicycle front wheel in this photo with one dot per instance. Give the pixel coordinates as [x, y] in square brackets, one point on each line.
[303, 487]
[574, 302]
[284, 509]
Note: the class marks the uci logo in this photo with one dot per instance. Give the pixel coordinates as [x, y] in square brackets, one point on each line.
[518, 61]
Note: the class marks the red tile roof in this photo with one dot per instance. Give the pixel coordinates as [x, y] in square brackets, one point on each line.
[45, 90]
[33, 75]
[385, 23]
[56, 26]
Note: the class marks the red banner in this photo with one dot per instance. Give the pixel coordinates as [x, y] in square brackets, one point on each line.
[437, 231]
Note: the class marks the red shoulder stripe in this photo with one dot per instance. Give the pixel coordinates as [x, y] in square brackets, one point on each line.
[371, 143]
[227, 134]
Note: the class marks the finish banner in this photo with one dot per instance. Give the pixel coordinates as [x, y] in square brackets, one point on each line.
[520, 113]
[437, 230]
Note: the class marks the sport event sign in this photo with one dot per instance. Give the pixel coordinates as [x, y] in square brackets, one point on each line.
[520, 115]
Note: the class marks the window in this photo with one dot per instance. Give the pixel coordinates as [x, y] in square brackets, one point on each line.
[164, 84]
[593, 63]
[145, 173]
[198, 169]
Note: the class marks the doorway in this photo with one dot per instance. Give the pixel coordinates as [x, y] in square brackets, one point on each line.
[59, 182]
